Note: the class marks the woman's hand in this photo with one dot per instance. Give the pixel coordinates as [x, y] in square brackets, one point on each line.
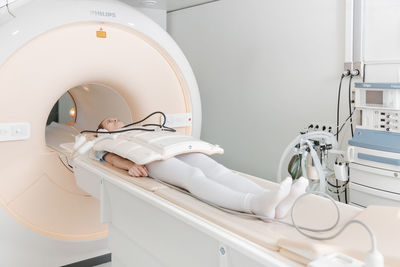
[137, 170]
[133, 169]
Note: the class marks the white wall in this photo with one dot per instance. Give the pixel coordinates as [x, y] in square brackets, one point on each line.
[157, 15]
[265, 69]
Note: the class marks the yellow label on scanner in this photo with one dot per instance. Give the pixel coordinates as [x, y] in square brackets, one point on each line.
[101, 34]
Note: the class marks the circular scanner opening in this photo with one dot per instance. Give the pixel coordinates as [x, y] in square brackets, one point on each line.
[63, 111]
[82, 107]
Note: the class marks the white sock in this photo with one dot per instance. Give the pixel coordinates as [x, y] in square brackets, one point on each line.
[264, 204]
[298, 189]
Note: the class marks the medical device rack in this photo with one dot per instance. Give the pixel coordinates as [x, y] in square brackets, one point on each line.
[374, 151]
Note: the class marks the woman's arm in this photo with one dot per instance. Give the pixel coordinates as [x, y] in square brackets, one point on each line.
[125, 164]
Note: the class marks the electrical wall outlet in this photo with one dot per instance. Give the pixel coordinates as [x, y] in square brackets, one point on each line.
[348, 66]
[360, 67]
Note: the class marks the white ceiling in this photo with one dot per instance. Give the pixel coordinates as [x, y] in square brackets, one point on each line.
[3, 3]
[169, 5]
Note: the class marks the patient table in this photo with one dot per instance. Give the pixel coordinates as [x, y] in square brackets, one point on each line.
[151, 224]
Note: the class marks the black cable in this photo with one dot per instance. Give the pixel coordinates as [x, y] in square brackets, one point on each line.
[339, 130]
[350, 109]
[338, 194]
[152, 114]
[8, 9]
[127, 130]
[161, 126]
[338, 107]
[158, 125]
[338, 186]
[345, 190]
[66, 158]
[334, 192]
[344, 123]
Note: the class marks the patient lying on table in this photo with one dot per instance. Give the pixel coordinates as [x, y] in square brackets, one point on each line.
[207, 179]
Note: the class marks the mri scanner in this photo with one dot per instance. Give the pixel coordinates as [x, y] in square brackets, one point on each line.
[114, 61]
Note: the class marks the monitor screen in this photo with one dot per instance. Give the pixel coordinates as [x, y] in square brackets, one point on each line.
[374, 97]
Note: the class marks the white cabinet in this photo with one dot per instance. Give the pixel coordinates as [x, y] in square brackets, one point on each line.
[373, 186]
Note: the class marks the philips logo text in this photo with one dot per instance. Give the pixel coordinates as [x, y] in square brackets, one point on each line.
[103, 13]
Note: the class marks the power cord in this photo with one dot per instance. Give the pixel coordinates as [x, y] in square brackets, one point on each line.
[346, 73]
[338, 105]
[8, 9]
[350, 108]
[344, 123]
[337, 134]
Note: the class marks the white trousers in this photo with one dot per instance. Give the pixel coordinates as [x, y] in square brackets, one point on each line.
[206, 179]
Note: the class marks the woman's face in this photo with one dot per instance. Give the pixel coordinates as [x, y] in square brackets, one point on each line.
[112, 124]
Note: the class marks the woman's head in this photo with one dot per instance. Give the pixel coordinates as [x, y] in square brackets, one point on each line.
[110, 124]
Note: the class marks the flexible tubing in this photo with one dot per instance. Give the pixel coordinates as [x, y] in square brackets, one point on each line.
[283, 157]
[320, 134]
[299, 229]
[318, 166]
[303, 164]
[293, 224]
